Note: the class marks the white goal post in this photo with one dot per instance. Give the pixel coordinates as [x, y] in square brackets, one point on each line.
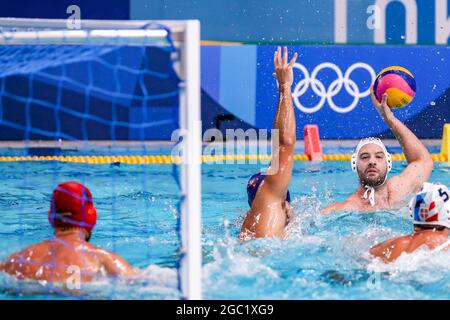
[186, 37]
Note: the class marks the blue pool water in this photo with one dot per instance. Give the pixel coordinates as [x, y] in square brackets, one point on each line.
[323, 257]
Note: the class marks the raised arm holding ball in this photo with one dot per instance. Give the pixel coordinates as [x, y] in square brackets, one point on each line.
[372, 163]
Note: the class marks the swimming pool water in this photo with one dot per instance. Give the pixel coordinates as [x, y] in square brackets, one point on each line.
[322, 258]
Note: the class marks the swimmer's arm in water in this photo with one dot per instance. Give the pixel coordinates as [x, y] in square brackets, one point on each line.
[116, 265]
[390, 250]
[350, 204]
[420, 163]
[338, 206]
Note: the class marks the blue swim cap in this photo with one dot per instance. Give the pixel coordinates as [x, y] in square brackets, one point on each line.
[253, 184]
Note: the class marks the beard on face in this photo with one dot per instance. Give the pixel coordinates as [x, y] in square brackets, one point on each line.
[374, 182]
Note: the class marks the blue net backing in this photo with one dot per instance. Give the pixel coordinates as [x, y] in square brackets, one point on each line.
[109, 93]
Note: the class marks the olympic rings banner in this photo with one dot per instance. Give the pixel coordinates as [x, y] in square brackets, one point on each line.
[331, 87]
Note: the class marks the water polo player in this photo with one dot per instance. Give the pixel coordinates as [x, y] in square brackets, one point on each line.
[430, 213]
[73, 217]
[372, 163]
[268, 194]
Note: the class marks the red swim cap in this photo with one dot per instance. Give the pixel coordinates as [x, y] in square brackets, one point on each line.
[72, 206]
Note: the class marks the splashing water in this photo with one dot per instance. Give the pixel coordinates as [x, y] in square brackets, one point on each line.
[323, 257]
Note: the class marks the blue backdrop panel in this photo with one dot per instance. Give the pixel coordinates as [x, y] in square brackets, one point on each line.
[125, 93]
[51, 9]
[258, 21]
[353, 115]
[300, 21]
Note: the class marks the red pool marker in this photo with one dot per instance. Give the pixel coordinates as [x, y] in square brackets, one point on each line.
[313, 148]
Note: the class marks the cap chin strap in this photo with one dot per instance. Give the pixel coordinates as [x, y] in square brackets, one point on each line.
[370, 194]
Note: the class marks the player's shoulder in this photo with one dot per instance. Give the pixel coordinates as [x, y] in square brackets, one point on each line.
[101, 253]
[431, 240]
[393, 182]
[36, 247]
[399, 190]
[402, 240]
[399, 243]
[33, 249]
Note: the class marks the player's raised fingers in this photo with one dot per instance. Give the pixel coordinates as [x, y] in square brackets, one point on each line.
[279, 56]
[294, 58]
[384, 100]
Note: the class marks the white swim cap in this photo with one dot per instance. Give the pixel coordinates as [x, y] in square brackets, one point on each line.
[371, 140]
[431, 206]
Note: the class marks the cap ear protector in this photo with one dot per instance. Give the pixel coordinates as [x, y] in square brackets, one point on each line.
[366, 141]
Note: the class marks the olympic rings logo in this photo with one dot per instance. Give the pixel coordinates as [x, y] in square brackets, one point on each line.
[327, 94]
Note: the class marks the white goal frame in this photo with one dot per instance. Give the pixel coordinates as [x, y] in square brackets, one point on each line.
[186, 37]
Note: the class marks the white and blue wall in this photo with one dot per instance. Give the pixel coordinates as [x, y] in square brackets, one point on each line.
[238, 90]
